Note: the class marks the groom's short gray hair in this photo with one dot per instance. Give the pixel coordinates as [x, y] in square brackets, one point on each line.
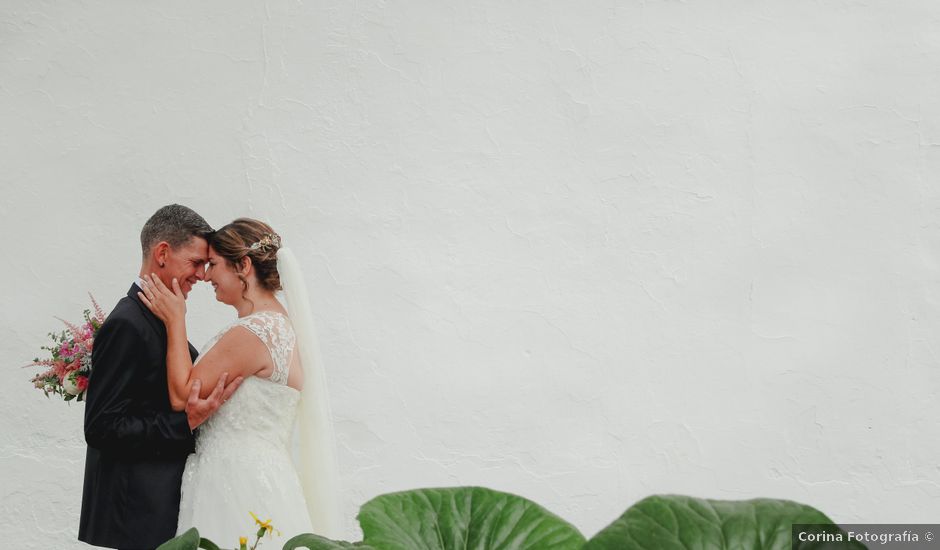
[175, 224]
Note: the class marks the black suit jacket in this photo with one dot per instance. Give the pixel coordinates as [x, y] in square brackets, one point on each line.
[137, 444]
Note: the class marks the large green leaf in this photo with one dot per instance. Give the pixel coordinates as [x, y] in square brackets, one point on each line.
[675, 522]
[316, 542]
[187, 541]
[463, 518]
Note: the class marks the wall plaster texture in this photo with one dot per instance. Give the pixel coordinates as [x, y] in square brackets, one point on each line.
[580, 251]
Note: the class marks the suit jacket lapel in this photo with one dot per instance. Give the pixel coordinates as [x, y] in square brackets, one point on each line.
[153, 321]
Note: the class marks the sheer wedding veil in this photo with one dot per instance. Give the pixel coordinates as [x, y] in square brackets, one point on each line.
[317, 467]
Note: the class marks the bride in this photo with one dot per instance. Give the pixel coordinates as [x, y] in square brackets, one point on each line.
[242, 461]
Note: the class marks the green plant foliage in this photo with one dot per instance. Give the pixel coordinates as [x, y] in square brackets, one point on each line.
[476, 518]
[676, 522]
[316, 542]
[187, 541]
[464, 518]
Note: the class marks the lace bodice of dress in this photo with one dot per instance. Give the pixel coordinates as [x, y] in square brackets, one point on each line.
[262, 410]
[278, 336]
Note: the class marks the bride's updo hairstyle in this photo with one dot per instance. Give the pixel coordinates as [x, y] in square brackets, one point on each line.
[254, 239]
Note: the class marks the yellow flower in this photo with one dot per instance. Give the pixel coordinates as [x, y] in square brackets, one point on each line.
[242, 543]
[264, 525]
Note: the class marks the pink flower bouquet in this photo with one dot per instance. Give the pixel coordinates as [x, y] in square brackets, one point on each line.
[70, 364]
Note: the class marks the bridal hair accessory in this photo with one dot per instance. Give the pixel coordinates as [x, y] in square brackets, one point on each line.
[269, 240]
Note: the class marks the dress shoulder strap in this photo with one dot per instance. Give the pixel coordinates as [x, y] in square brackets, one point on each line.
[277, 334]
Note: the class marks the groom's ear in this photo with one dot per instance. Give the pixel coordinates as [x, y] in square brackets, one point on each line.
[160, 252]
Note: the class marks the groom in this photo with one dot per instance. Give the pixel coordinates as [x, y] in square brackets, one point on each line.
[137, 445]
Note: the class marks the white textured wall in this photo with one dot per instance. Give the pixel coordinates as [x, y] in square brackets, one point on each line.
[580, 251]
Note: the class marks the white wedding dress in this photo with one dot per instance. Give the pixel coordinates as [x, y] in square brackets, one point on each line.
[243, 461]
